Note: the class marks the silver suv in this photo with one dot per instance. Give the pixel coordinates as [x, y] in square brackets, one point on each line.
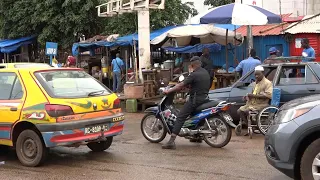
[292, 144]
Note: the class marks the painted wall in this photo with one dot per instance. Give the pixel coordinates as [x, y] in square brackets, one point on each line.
[260, 43]
[297, 7]
[295, 45]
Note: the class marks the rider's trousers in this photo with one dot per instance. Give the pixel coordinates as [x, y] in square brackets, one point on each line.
[187, 110]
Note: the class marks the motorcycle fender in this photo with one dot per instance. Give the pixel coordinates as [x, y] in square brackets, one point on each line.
[154, 109]
[230, 122]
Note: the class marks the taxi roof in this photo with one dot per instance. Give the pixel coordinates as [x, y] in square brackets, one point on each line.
[38, 69]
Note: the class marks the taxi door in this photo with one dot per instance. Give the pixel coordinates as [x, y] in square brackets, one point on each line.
[12, 95]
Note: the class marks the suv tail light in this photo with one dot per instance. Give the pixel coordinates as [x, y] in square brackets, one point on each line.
[116, 104]
[58, 110]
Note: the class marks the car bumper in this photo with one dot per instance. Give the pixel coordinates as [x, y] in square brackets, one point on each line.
[285, 168]
[277, 143]
[71, 133]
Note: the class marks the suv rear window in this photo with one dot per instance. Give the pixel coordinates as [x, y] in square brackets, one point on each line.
[28, 65]
[71, 84]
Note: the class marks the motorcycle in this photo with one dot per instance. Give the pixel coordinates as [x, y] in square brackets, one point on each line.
[210, 121]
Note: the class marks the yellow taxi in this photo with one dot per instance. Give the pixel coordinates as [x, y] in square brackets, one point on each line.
[23, 65]
[44, 107]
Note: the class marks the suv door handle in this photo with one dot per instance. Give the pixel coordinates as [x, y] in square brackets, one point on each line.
[311, 89]
[13, 109]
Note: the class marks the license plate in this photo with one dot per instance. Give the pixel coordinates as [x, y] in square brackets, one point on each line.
[95, 129]
[227, 117]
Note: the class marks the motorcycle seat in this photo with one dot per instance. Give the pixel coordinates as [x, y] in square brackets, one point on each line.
[211, 103]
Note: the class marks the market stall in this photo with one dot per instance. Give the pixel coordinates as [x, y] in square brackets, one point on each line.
[187, 38]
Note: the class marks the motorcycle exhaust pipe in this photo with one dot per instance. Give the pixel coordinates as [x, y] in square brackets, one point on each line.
[185, 131]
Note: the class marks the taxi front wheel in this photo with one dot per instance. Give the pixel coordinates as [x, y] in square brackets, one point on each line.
[100, 146]
[30, 149]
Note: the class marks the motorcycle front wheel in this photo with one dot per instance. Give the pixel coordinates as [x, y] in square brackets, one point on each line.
[153, 128]
[223, 132]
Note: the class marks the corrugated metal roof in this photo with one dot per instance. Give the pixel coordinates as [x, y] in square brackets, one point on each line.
[309, 24]
[264, 30]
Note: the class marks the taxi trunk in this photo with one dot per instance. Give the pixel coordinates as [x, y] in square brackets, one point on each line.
[74, 95]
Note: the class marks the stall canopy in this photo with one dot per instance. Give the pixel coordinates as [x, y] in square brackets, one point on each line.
[182, 34]
[11, 45]
[195, 49]
[121, 41]
[196, 34]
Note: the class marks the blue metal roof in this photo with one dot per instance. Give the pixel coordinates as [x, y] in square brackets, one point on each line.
[10, 45]
[128, 39]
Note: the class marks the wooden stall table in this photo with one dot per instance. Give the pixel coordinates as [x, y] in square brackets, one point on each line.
[225, 79]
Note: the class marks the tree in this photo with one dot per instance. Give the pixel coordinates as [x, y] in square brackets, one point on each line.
[62, 20]
[216, 3]
[52, 20]
[175, 12]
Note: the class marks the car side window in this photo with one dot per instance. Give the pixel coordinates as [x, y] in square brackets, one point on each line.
[17, 91]
[296, 75]
[9, 86]
[310, 77]
[269, 72]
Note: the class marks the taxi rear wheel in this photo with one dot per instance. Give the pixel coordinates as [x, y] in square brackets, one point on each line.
[30, 149]
[100, 146]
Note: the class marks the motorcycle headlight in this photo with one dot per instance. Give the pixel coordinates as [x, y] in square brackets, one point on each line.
[288, 115]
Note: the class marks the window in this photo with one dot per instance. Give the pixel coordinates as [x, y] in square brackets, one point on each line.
[269, 72]
[296, 76]
[10, 87]
[71, 84]
[310, 77]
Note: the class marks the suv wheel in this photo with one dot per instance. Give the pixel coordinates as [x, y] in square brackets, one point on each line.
[310, 162]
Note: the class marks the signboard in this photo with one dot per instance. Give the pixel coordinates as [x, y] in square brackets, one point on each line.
[298, 42]
[51, 48]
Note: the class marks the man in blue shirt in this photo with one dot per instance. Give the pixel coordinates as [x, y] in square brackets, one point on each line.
[248, 64]
[117, 68]
[308, 51]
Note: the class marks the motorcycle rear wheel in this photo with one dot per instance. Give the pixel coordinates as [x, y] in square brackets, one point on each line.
[163, 131]
[222, 127]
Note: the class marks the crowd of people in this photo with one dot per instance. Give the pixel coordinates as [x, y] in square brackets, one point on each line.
[200, 78]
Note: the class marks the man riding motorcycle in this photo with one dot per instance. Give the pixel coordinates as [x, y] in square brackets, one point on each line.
[198, 82]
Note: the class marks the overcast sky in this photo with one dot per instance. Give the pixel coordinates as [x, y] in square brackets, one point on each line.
[198, 4]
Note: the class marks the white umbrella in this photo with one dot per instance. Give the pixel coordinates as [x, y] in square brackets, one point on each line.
[201, 33]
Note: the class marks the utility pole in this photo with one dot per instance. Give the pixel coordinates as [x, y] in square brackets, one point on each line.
[115, 7]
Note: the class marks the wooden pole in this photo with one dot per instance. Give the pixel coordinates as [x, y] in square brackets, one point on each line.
[135, 62]
[79, 57]
[235, 46]
[108, 65]
[227, 61]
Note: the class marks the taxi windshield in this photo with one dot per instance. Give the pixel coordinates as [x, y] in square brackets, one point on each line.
[71, 84]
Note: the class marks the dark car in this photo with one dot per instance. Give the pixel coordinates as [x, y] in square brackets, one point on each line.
[292, 144]
[285, 76]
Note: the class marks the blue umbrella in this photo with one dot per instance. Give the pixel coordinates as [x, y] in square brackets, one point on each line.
[239, 14]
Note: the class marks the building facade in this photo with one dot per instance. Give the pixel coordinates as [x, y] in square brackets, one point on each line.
[297, 7]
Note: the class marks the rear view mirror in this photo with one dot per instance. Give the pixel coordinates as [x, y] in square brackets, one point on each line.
[181, 78]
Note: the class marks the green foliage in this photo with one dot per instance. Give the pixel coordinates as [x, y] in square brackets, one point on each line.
[216, 3]
[52, 20]
[60, 20]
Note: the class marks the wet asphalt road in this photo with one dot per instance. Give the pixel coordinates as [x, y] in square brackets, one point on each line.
[132, 157]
